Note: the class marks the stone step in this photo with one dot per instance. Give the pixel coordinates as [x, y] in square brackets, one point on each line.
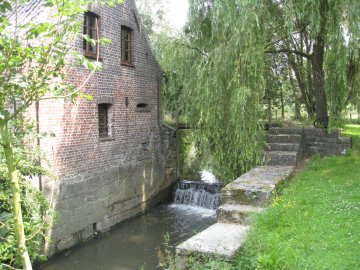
[283, 146]
[281, 158]
[283, 138]
[236, 214]
[255, 186]
[219, 240]
[276, 130]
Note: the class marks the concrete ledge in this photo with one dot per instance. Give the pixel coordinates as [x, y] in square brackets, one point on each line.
[255, 187]
[236, 214]
[220, 240]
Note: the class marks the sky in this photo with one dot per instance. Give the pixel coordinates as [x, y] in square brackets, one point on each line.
[177, 11]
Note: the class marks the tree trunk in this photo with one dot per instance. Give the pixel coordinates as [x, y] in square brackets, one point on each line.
[16, 196]
[282, 105]
[297, 99]
[317, 62]
[319, 82]
[269, 113]
[306, 95]
[297, 115]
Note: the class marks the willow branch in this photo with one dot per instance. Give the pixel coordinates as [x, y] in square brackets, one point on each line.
[285, 37]
[300, 53]
[193, 48]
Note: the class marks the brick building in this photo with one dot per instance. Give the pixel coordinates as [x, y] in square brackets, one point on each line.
[111, 156]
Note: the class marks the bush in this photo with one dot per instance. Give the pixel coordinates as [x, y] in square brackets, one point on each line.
[34, 205]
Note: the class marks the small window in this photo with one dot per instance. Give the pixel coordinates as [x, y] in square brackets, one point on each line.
[142, 105]
[103, 120]
[126, 45]
[91, 29]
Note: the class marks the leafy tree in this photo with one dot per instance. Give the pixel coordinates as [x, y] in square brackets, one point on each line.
[222, 63]
[152, 14]
[32, 63]
[320, 39]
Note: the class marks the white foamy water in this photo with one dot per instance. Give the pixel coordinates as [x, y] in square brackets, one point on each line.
[208, 177]
[191, 210]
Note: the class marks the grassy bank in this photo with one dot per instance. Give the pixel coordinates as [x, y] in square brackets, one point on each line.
[314, 221]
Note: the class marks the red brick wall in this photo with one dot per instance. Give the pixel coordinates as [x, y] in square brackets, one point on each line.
[102, 182]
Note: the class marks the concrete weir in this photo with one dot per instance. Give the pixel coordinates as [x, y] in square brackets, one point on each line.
[240, 199]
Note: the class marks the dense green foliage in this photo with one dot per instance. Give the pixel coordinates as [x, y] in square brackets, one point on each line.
[34, 224]
[215, 92]
[189, 164]
[152, 14]
[33, 60]
[313, 222]
[232, 56]
[34, 206]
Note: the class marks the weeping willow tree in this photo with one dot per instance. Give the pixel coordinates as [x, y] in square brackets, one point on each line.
[321, 41]
[218, 68]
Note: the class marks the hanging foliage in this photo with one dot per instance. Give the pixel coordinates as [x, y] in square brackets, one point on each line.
[220, 66]
[220, 88]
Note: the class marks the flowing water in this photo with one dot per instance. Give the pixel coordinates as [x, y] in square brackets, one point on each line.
[134, 244]
[198, 193]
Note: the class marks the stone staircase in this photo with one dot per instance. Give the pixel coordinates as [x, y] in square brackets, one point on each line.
[245, 196]
[284, 146]
[249, 193]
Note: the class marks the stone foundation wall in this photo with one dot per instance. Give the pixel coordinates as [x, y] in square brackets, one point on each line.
[91, 203]
[320, 141]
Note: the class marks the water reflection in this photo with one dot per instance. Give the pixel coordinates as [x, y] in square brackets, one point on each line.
[134, 243]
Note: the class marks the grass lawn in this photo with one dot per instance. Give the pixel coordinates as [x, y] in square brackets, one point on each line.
[314, 220]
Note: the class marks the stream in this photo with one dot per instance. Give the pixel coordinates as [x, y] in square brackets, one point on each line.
[134, 244]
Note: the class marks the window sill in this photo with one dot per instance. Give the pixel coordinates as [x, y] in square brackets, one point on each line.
[91, 56]
[127, 64]
[106, 139]
[143, 110]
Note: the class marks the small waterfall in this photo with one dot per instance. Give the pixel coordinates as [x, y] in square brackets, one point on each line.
[198, 193]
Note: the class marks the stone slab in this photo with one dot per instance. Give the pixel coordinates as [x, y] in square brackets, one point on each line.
[283, 138]
[236, 214]
[283, 146]
[255, 187]
[261, 174]
[220, 239]
[281, 157]
[297, 131]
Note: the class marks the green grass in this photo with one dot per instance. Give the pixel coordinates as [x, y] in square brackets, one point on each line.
[354, 132]
[314, 221]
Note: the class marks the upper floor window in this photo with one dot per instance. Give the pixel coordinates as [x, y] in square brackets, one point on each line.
[91, 30]
[126, 46]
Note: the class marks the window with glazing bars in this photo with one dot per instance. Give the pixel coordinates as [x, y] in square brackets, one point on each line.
[91, 30]
[126, 45]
